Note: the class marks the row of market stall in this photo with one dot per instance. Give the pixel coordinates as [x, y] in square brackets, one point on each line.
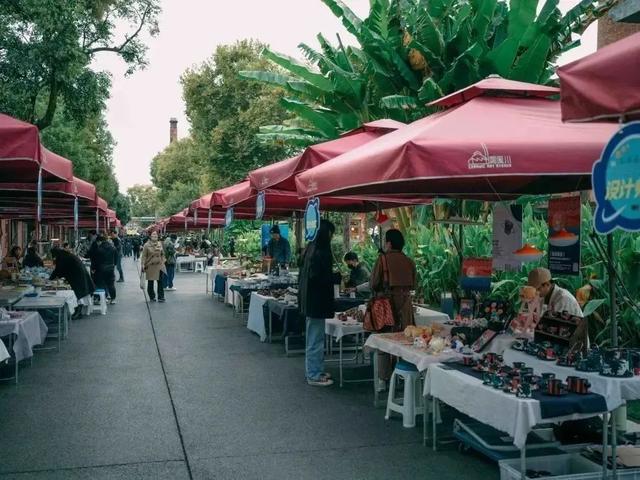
[38, 186]
[496, 140]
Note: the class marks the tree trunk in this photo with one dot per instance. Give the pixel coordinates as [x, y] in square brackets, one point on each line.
[346, 234]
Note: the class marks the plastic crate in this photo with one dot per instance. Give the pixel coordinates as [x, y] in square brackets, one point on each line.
[571, 466]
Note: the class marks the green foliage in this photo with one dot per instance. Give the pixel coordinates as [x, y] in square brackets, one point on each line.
[413, 51]
[226, 112]
[144, 200]
[122, 207]
[180, 196]
[48, 47]
[89, 145]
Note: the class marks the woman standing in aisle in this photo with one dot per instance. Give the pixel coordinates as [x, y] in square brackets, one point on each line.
[394, 275]
[316, 301]
[152, 261]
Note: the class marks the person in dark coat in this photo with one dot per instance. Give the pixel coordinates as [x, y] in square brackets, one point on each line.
[70, 267]
[32, 259]
[136, 244]
[104, 261]
[316, 300]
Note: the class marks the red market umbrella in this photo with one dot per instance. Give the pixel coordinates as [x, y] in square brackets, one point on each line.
[603, 86]
[495, 146]
[280, 175]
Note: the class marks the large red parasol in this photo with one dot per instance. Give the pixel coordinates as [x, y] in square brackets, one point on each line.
[280, 175]
[604, 85]
[500, 144]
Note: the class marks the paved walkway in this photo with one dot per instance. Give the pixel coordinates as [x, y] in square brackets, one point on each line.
[206, 401]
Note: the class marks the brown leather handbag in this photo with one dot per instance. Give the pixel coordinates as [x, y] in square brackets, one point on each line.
[379, 314]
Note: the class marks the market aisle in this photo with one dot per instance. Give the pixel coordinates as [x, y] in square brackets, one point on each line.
[246, 412]
[99, 409]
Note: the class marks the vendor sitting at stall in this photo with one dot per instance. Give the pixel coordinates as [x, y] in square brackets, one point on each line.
[32, 259]
[12, 261]
[556, 299]
[278, 248]
[359, 275]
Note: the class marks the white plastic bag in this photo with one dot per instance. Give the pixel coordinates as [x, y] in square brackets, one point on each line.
[142, 280]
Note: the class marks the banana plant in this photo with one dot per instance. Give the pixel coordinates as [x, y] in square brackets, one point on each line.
[410, 52]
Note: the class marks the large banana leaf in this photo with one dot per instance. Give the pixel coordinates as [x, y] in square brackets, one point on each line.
[320, 118]
[292, 65]
[349, 19]
[402, 102]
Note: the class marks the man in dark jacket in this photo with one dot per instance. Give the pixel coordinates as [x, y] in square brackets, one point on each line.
[70, 267]
[117, 244]
[104, 261]
[316, 300]
[359, 272]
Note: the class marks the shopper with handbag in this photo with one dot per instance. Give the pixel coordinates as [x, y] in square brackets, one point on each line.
[316, 301]
[393, 278]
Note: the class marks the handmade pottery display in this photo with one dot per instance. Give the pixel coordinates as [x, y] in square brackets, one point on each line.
[616, 362]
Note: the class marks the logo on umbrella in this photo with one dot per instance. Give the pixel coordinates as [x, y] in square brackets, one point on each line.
[482, 159]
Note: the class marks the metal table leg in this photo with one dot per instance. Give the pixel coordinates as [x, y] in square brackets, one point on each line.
[60, 321]
[433, 424]
[376, 379]
[340, 346]
[270, 326]
[605, 431]
[523, 462]
[614, 446]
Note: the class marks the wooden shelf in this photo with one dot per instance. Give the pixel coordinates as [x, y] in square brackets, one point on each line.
[560, 320]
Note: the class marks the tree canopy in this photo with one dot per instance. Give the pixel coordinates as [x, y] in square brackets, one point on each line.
[226, 113]
[48, 47]
[143, 200]
[46, 78]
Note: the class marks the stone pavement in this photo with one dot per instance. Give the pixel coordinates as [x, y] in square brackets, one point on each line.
[207, 401]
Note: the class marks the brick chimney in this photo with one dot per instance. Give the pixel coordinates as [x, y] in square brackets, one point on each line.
[173, 130]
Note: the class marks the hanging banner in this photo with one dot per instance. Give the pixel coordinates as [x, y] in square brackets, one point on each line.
[228, 217]
[476, 274]
[616, 182]
[260, 205]
[507, 237]
[564, 235]
[312, 219]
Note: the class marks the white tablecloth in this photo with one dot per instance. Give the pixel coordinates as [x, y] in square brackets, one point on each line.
[68, 295]
[213, 272]
[30, 330]
[338, 329]
[230, 298]
[4, 354]
[507, 413]
[396, 344]
[255, 322]
[615, 390]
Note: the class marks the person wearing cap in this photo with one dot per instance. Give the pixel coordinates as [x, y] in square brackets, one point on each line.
[278, 247]
[556, 299]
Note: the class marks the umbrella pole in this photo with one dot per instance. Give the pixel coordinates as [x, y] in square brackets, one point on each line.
[614, 343]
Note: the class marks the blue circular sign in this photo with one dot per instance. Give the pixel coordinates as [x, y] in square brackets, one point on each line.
[312, 219]
[260, 205]
[616, 182]
[228, 217]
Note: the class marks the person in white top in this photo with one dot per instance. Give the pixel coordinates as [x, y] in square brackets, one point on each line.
[556, 299]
